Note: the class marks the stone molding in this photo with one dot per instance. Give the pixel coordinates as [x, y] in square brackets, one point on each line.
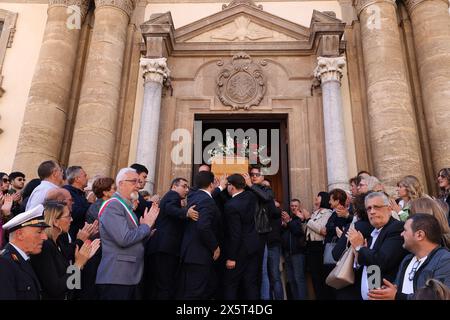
[241, 83]
[238, 2]
[155, 70]
[179, 42]
[9, 19]
[329, 69]
[126, 6]
[360, 5]
[82, 4]
[412, 4]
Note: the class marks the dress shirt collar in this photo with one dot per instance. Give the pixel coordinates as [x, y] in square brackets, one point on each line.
[234, 195]
[209, 194]
[21, 252]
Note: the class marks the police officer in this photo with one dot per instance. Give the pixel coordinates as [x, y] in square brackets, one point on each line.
[26, 235]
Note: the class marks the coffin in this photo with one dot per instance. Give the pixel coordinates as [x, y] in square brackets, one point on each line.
[229, 165]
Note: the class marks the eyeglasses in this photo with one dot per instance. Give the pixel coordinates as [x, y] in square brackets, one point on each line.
[134, 181]
[441, 176]
[255, 174]
[413, 271]
[6, 180]
[375, 207]
[21, 179]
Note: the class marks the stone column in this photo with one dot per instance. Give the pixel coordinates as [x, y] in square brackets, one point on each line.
[94, 134]
[155, 72]
[393, 130]
[329, 73]
[431, 28]
[42, 131]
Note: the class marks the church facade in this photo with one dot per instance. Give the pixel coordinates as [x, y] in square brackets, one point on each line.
[330, 87]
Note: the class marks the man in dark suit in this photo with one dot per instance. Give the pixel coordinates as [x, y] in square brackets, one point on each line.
[242, 242]
[219, 193]
[17, 278]
[77, 180]
[164, 247]
[143, 204]
[200, 246]
[384, 247]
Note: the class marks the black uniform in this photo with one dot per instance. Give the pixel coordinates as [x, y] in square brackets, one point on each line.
[17, 278]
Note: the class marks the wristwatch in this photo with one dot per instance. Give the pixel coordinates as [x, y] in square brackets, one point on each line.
[358, 248]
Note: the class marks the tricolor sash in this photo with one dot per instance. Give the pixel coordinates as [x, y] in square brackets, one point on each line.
[130, 213]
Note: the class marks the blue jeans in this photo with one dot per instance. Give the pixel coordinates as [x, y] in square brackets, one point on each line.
[273, 260]
[265, 284]
[295, 267]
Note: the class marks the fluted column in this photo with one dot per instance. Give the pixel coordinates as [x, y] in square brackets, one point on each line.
[42, 131]
[393, 131]
[95, 127]
[155, 72]
[431, 28]
[329, 73]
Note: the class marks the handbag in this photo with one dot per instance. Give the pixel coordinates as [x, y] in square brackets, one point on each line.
[328, 253]
[343, 274]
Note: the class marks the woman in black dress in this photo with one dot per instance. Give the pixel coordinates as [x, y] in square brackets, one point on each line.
[51, 265]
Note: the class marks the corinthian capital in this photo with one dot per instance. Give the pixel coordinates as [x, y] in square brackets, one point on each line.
[329, 69]
[360, 5]
[155, 70]
[81, 5]
[126, 6]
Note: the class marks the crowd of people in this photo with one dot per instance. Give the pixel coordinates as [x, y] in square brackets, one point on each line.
[67, 237]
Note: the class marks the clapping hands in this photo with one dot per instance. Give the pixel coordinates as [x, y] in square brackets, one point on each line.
[150, 216]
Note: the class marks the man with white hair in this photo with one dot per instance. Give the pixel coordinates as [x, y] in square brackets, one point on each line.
[384, 247]
[123, 237]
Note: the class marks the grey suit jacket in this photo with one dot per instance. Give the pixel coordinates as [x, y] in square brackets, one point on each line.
[122, 247]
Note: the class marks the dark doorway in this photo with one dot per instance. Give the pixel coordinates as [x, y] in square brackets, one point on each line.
[260, 123]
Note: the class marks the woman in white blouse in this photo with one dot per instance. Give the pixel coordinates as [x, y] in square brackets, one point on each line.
[315, 234]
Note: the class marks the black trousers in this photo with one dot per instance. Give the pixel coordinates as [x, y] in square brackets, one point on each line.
[314, 264]
[89, 290]
[163, 275]
[117, 292]
[244, 275]
[196, 282]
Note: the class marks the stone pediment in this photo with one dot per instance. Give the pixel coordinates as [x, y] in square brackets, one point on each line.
[243, 26]
[242, 22]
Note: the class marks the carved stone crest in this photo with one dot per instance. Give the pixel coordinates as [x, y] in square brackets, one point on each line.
[241, 83]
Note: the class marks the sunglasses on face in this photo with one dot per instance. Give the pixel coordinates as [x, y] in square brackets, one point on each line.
[5, 180]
